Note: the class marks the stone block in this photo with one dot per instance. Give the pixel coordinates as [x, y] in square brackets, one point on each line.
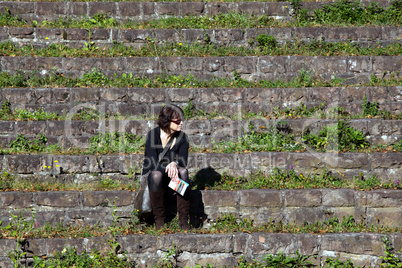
[24, 164]
[109, 8]
[242, 65]
[136, 35]
[331, 65]
[347, 160]
[85, 96]
[300, 215]
[15, 200]
[98, 243]
[51, 8]
[281, 34]
[305, 198]
[75, 34]
[338, 197]
[15, 8]
[6, 127]
[58, 244]
[277, 9]
[35, 247]
[273, 65]
[143, 65]
[169, 8]
[166, 35]
[235, 96]
[339, 34]
[25, 33]
[213, 64]
[260, 198]
[359, 64]
[219, 199]
[99, 198]
[271, 243]
[51, 217]
[385, 160]
[58, 199]
[216, 8]
[384, 198]
[148, 8]
[390, 217]
[75, 163]
[228, 35]
[386, 63]
[197, 243]
[182, 95]
[268, 161]
[195, 35]
[90, 216]
[308, 244]
[145, 95]
[311, 159]
[191, 64]
[30, 127]
[358, 243]
[391, 33]
[131, 9]
[195, 8]
[101, 34]
[78, 8]
[197, 127]
[255, 8]
[308, 33]
[139, 243]
[6, 245]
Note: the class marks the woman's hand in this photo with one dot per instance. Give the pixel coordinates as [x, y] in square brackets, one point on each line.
[172, 171]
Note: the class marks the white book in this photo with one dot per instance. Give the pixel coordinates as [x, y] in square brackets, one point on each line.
[180, 186]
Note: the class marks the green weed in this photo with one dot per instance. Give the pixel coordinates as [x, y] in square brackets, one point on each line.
[23, 144]
[281, 179]
[115, 142]
[336, 137]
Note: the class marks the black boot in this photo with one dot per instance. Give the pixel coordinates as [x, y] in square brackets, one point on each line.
[158, 208]
[183, 207]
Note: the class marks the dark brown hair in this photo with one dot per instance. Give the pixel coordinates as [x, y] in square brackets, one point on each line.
[167, 113]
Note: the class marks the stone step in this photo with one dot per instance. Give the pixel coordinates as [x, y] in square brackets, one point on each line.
[89, 168]
[141, 11]
[219, 250]
[42, 37]
[354, 69]
[226, 101]
[202, 133]
[377, 207]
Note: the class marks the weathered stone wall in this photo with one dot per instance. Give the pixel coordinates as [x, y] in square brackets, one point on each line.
[382, 207]
[229, 101]
[87, 168]
[154, 10]
[42, 37]
[219, 250]
[353, 68]
[201, 133]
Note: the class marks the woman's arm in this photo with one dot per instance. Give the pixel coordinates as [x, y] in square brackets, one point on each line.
[151, 153]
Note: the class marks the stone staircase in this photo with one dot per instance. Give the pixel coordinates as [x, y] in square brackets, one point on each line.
[235, 110]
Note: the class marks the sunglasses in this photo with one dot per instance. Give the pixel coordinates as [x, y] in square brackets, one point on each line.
[177, 122]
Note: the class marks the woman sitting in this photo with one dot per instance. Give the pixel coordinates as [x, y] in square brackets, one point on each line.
[171, 167]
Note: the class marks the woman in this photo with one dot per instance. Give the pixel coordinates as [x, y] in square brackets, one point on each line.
[171, 167]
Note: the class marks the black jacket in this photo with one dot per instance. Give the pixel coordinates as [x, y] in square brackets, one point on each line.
[153, 147]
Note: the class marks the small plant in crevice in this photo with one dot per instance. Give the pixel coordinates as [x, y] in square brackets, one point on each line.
[115, 142]
[372, 109]
[266, 41]
[274, 138]
[390, 259]
[336, 137]
[23, 144]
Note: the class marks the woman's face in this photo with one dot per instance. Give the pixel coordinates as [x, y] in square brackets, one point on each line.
[176, 124]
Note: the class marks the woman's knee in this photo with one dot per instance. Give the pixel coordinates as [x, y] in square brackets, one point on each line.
[155, 181]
